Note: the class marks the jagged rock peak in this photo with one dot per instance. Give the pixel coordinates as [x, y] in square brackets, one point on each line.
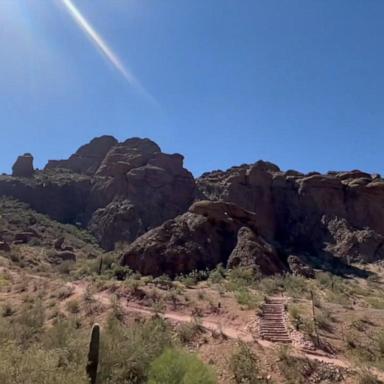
[132, 153]
[88, 157]
[23, 166]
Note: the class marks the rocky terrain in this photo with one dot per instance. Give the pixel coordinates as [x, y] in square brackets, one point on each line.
[269, 276]
[132, 196]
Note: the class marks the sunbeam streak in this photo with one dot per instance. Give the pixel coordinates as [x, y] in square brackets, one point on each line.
[101, 44]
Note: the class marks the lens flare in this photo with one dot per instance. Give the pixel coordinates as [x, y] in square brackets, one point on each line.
[103, 47]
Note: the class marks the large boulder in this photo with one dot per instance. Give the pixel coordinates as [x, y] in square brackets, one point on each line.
[23, 166]
[201, 238]
[254, 252]
[87, 158]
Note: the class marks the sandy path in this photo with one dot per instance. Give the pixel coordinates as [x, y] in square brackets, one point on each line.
[105, 298]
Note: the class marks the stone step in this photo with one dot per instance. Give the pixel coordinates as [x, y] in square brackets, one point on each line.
[273, 313]
[273, 324]
[280, 337]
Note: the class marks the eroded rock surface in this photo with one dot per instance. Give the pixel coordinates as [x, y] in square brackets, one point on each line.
[23, 166]
[87, 158]
[253, 251]
[130, 193]
[201, 238]
[116, 190]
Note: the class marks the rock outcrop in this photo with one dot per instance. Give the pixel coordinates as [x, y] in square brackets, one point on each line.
[116, 190]
[87, 158]
[353, 245]
[123, 157]
[253, 251]
[201, 238]
[299, 268]
[252, 215]
[291, 207]
[23, 166]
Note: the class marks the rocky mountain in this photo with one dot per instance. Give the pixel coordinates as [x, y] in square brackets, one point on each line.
[116, 190]
[132, 194]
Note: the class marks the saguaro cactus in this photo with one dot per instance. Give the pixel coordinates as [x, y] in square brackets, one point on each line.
[93, 354]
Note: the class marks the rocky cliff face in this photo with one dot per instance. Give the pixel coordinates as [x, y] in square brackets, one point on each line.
[253, 214]
[116, 190]
[300, 212]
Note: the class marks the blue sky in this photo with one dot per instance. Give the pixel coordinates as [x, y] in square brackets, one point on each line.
[296, 82]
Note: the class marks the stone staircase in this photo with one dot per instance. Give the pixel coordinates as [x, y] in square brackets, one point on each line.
[273, 324]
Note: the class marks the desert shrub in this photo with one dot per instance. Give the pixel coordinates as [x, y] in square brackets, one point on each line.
[242, 277]
[296, 286]
[36, 365]
[73, 306]
[66, 267]
[375, 302]
[271, 285]
[358, 324]
[29, 323]
[295, 370]
[187, 332]
[248, 299]
[192, 278]
[121, 272]
[380, 343]
[117, 312]
[217, 274]
[245, 366]
[178, 367]
[366, 377]
[163, 281]
[296, 317]
[7, 310]
[324, 321]
[127, 353]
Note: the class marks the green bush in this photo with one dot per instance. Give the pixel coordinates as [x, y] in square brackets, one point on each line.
[366, 377]
[248, 299]
[127, 353]
[218, 274]
[245, 367]
[188, 331]
[36, 365]
[177, 367]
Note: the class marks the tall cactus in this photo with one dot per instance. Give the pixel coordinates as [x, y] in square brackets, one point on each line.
[93, 354]
[100, 268]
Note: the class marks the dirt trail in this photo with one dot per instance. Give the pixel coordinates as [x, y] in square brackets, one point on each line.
[229, 332]
[105, 298]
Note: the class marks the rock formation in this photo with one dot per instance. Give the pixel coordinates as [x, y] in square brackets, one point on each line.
[299, 268]
[116, 190]
[252, 214]
[87, 158]
[253, 251]
[292, 207]
[23, 166]
[201, 238]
